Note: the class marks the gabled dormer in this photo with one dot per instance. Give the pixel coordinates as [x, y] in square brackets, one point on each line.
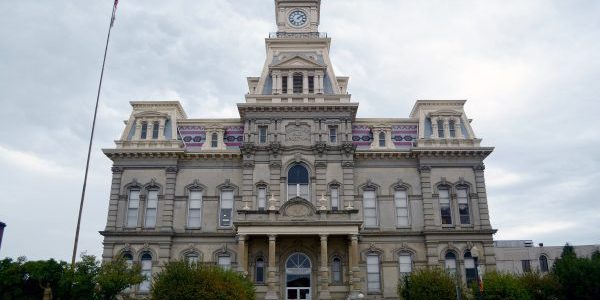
[297, 75]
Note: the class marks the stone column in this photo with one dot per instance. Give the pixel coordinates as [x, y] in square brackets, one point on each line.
[115, 195]
[304, 82]
[434, 128]
[276, 85]
[242, 254]
[320, 76]
[446, 128]
[354, 269]
[161, 129]
[168, 208]
[272, 293]
[458, 128]
[290, 83]
[138, 130]
[324, 270]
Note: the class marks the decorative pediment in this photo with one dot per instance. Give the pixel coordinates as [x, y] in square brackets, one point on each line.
[298, 62]
[445, 113]
[298, 207]
[150, 114]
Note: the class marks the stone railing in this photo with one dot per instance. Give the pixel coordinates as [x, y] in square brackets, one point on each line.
[298, 35]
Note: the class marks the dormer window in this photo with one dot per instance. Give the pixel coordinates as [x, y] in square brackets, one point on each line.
[214, 140]
[144, 132]
[155, 130]
[452, 128]
[284, 82]
[297, 83]
[311, 84]
[382, 139]
[440, 128]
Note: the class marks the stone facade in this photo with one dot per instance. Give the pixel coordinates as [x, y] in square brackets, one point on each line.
[306, 199]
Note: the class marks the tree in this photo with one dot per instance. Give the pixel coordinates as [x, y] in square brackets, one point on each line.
[500, 286]
[579, 277]
[541, 286]
[182, 281]
[115, 276]
[430, 283]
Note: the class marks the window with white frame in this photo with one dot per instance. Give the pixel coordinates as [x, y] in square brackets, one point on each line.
[450, 263]
[146, 259]
[151, 209]
[445, 207]
[333, 134]
[298, 181]
[194, 218]
[370, 208]
[335, 197]
[402, 212]
[226, 211]
[192, 258]
[261, 197]
[336, 270]
[382, 139]
[405, 262]
[262, 134]
[543, 263]
[214, 140]
[224, 261]
[462, 196]
[155, 127]
[373, 276]
[133, 206]
[259, 273]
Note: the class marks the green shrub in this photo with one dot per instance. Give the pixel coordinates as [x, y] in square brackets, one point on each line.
[181, 281]
[430, 283]
[541, 286]
[579, 277]
[500, 286]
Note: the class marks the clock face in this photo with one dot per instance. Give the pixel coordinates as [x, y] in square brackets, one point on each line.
[297, 18]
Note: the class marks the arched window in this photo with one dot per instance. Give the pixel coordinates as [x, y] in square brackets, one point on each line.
[214, 140]
[335, 197]
[128, 259]
[445, 207]
[382, 139]
[146, 259]
[151, 208]
[452, 128]
[470, 268]
[192, 258]
[543, 263]
[405, 262]
[336, 270]
[462, 196]
[401, 202]
[224, 261]
[259, 274]
[298, 83]
[261, 197]
[450, 263]
[133, 206]
[298, 182]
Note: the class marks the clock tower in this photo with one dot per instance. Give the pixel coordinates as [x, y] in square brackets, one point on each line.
[294, 16]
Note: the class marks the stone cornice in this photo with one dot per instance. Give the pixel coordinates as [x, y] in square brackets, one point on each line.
[243, 108]
[480, 152]
[152, 105]
[175, 154]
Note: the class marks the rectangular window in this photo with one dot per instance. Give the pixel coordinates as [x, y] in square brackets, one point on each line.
[401, 201]
[335, 198]
[440, 128]
[214, 140]
[405, 261]
[311, 84]
[262, 134]
[451, 265]
[151, 208]
[373, 279]
[132, 208]
[144, 132]
[333, 135]
[261, 198]
[224, 262]
[470, 271]
[370, 208]
[155, 130]
[195, 210]
[452, 128]
[463, 205]
[226, 208]
[147, 274]
[445, 210]
[336, 270]
[526, 265]
[284, 82]
[260, 271]
[297, 83]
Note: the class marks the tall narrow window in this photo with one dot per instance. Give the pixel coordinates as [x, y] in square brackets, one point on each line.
[261, 198]
[146, 272]
[543, 264]
[452, 128]
[155, 130]
[259, 275]
[373, 277]
[297, 81]
[333, 134]
[144, 132]
[298, 182]
[214, 140]
[129, 263]
[470, 271]
[284, 84]
[526, 265]
[445, 210]
[335, 198]
[311, 84]
[440, 128]
[226, 208]
[462, 196]
[133, 207]
[151, 207]
[401, 201]
[194, 219]
[382, 139]
[224, 262]
[262, 134]
[450, 263]
[370, 208]
[336, 270]
[405, 263]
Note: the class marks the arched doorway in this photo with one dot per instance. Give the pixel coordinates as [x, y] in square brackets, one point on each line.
[297, 277]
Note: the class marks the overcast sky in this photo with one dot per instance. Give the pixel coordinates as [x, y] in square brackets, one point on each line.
[530, 71]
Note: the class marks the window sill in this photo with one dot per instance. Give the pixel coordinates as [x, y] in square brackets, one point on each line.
[448, 226]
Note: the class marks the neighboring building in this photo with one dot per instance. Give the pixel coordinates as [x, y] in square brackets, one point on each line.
[518, 256]
[308, 200]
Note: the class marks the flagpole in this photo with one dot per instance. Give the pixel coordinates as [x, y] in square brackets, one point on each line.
[87, 164]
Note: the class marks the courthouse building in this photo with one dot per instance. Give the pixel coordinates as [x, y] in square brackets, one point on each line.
[298, 193]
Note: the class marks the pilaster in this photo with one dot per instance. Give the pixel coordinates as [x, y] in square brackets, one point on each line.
[169, 198]
[272, 278]
[115, 194]
[428, 205]
[484, 215]
[324, 270]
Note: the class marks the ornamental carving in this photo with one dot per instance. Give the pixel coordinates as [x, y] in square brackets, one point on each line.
[348, 148]
[275, 148]
[479, 167]
[348, 164]
[248, 148]
[116, 170]
[297, 208]
[248, 165]
[320, 148]
[297, 134]
[172, 169]
[424, 168]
